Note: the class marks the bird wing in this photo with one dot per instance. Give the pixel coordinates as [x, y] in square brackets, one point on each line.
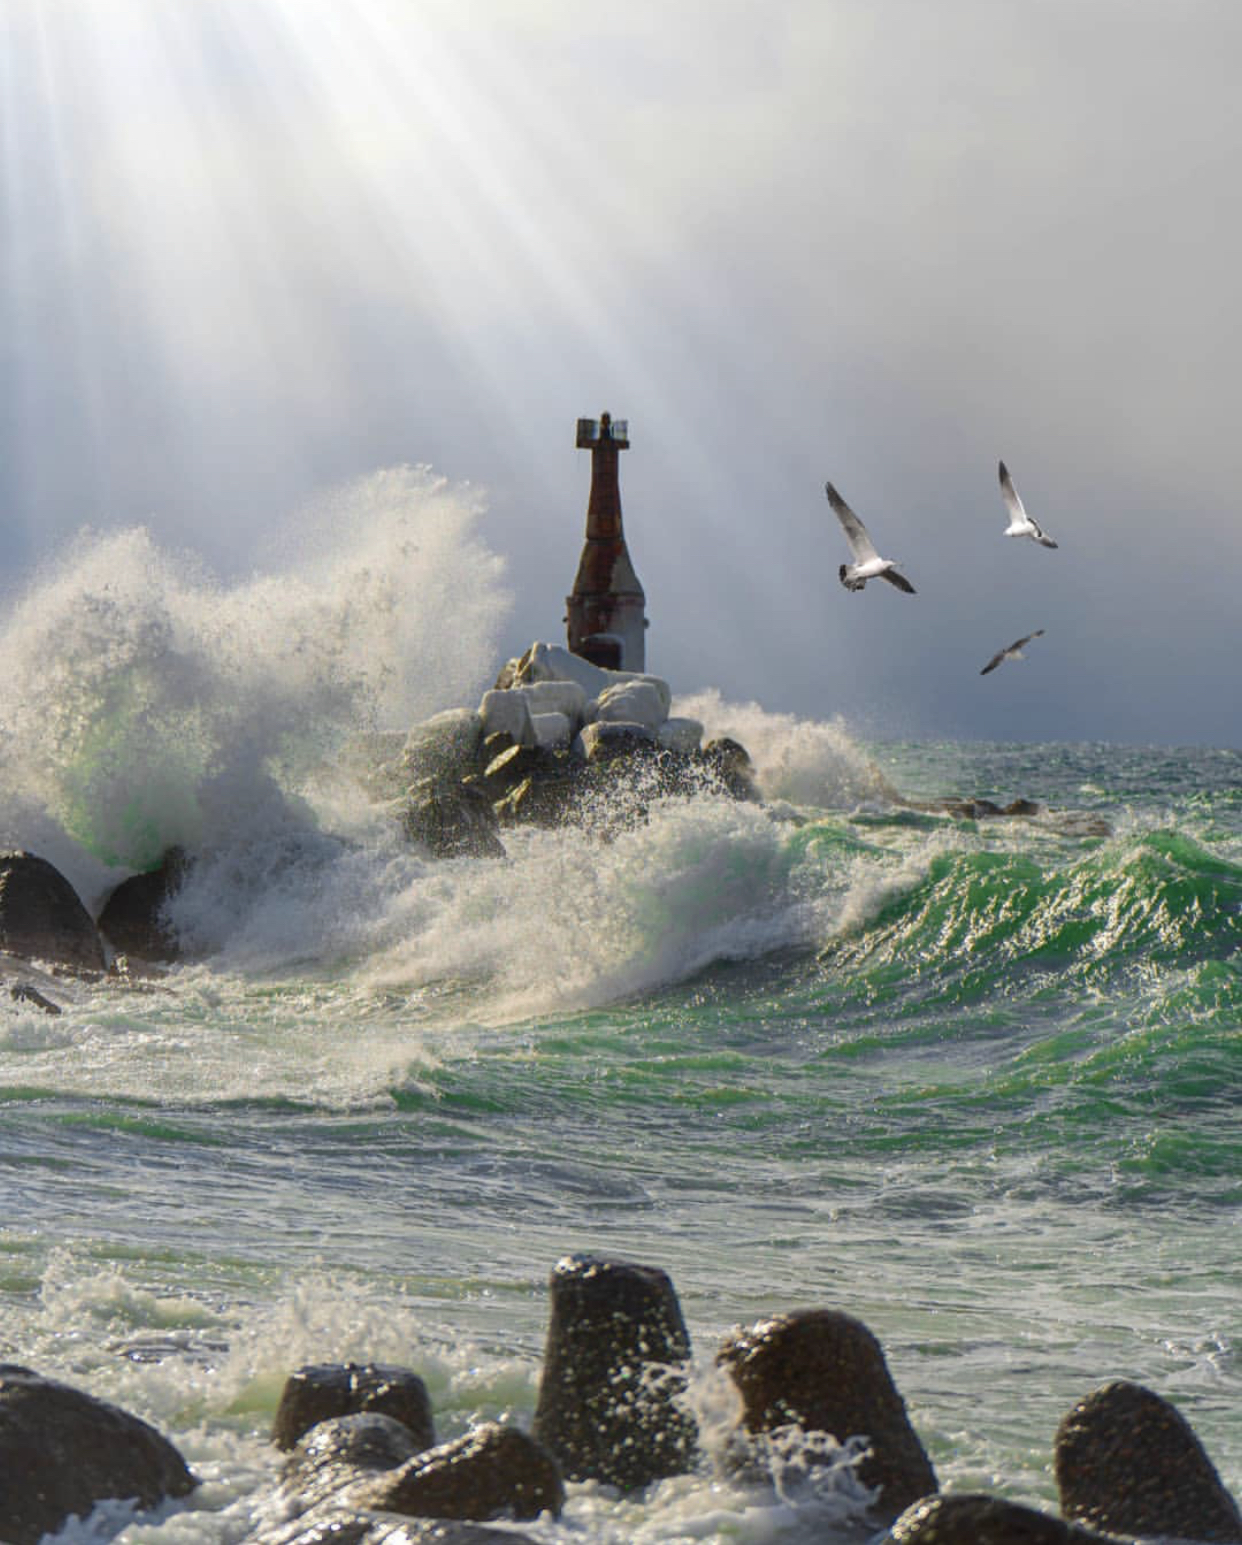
[861, 545]
[994, 662]
[1010, 494]
[1041, 536]
[1022, 642]
[900, 580]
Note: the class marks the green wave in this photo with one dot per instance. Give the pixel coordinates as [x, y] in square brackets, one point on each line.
[980, 918]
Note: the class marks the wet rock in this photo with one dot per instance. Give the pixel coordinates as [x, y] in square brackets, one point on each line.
[321, 1391]
[548, 800]
[730, 763]
[605, 740]
[339, 1451]
[1128, 1462]
[824, 1371]
[23, 992]
[62, 1452]
[133, 918]
[492, 1472]
[614, 1369]
[511, 766]
[975, 1519]
[338, 1528]
[451, 820]
[41, 917]
[446, 746]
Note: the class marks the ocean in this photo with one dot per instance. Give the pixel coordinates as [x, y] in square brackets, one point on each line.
[975, 1081]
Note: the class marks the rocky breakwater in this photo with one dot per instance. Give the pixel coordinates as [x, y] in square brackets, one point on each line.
[556, 741]
[813, 1392]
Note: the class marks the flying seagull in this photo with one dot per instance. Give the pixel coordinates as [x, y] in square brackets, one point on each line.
[1014, 652]
[867, 562]
[1020, 523]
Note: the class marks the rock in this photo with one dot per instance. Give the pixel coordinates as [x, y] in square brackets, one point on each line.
[553, 662]
[508, 711]
[451, 820]
[681, 735]
[333, 1527]
[339, 1451]
[321, 1391]
[552, 730]
[446, 746]
[493, 1471]
[1128, 1463]
[41, 917]
[614, 1369]
[548, 800]
[23, 992]
[133, 918]
[565, 697]
[824, 1371]
[602, 740]
[62, 1452]
[631, 702]
[506, 771]
[1021, 807]
[729, 761]
[970, 1518]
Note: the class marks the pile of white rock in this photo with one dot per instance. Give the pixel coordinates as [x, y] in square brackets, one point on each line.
[553, 699]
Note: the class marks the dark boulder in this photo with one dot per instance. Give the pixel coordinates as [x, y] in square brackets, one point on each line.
[318, 1392]
[512, 765]
[1128, 1463]
[62, 1452]
[133, 918]
[614, 1370]
[491, 1472]
[41, 917]
[337, 1528]
[370, 1463]
[451, 820]
[730, 764]
[605, 740]
[824, 1371]
[970, 1518]
[338, 1451]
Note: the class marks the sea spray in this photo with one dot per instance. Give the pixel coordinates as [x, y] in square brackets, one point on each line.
[145, 704]
[803, 761]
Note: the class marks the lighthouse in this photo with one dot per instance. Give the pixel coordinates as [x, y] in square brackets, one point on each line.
[607, 608]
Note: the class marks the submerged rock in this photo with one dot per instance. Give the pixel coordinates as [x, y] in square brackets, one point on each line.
[614, 1370]
[824, 1371]
[41, 916]
[62, 1452]
[1127, 1462]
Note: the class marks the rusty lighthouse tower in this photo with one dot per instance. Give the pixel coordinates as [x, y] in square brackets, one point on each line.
[607, 608]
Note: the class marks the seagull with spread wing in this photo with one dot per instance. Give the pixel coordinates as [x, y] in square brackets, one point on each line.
[867, 562]
[1013, 652]
[1020, 523]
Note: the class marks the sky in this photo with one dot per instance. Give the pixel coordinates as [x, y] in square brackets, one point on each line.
[251, 250]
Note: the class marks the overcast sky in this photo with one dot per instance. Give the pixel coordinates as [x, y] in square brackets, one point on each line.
[253, 249]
